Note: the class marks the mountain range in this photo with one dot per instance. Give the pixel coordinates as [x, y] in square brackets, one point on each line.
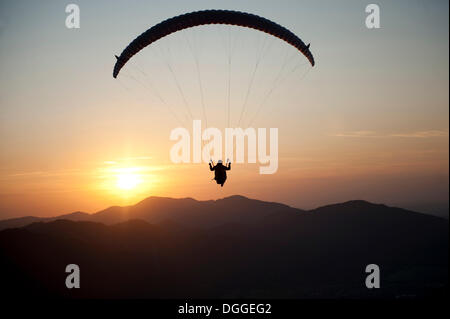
[234, 247]
[187, 211]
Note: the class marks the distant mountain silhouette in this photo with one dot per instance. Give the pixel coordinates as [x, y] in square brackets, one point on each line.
[187, 211]
[234, 247]
[23, 221]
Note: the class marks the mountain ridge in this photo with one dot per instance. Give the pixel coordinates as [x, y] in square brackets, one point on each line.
[157, 209]
[259, 250]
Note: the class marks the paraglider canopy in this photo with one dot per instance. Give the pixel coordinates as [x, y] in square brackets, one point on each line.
[198, 18]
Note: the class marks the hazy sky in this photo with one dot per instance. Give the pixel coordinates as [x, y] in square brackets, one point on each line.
[369, 121]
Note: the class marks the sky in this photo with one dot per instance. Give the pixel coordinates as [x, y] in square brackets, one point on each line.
[370, 121]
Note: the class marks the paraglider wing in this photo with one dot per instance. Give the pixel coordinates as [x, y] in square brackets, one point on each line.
[197, 18]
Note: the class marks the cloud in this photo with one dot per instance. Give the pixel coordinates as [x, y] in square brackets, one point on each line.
[423, 134]
[373, 134]
[54, 173]
[357, 134]
[136, 158]
[127, 159]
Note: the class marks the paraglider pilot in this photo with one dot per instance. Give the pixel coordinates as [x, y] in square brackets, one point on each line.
[220, 171]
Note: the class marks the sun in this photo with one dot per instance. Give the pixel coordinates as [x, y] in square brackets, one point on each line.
[127, 181]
